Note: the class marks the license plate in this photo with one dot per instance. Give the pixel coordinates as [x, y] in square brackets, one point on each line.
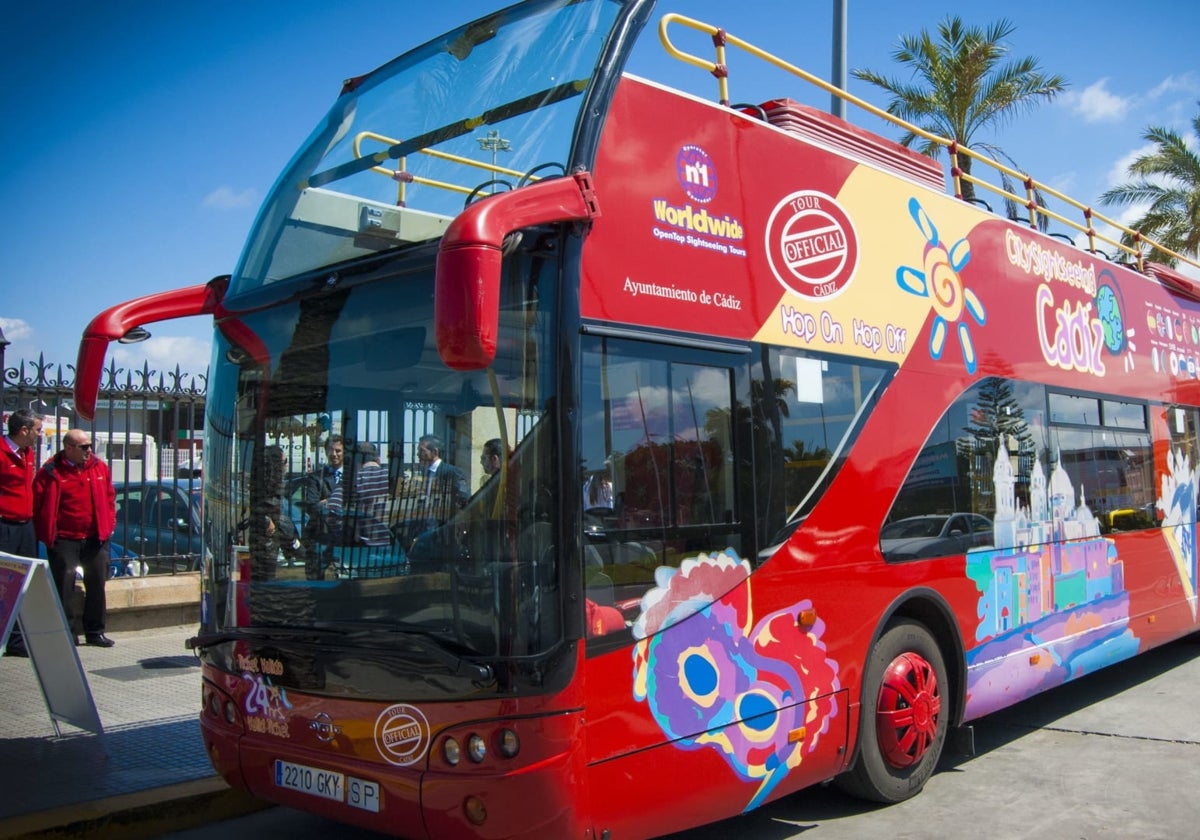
[311, 780]
[361, 793]
[358, 793]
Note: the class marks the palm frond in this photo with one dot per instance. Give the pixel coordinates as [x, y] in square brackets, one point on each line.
[1168, 185]
[962, 81]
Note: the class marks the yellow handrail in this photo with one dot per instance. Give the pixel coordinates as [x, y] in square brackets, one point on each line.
[720, 69]
[403, 177]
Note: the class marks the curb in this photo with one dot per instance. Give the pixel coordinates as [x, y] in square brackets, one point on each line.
[139, 815]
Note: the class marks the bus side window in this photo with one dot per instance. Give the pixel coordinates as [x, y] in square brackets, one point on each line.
[1183, 430]
[657, 471]
[982, 464]
[1103, 447]
[1025, 458]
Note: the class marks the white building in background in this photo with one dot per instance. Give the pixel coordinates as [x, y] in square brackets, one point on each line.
[132, 456]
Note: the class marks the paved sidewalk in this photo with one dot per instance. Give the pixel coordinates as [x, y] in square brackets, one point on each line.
[149, 765]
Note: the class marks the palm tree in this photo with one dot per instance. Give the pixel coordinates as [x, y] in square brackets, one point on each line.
[961, 87]
[1169, 179]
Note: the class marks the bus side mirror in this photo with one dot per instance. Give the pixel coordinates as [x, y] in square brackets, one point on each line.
[125, 321]
[466, 303]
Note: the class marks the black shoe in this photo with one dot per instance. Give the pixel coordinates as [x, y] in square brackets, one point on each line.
[99, 640]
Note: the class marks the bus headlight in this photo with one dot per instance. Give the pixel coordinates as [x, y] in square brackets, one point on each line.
[509, 744]
[451, 752]
[476, 748]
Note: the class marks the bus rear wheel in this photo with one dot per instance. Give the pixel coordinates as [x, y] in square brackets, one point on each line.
[904, 716]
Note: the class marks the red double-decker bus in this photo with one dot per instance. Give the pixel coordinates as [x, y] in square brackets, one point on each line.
[689, 455]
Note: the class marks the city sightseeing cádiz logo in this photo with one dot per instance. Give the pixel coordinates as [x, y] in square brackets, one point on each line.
[811, 245]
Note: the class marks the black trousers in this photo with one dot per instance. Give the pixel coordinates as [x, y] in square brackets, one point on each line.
[93, 556]
[18, 540]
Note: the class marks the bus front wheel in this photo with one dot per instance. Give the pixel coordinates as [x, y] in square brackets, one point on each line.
[904, 716]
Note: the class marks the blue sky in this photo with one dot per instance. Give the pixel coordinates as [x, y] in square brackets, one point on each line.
[140, 138]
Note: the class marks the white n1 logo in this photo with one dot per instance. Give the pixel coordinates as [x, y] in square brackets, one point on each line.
[697, 174]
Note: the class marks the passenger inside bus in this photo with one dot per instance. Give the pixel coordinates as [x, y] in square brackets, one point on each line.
[428, 499]
[490, 458]
[317, 488]
[281, 536]
[360, 511]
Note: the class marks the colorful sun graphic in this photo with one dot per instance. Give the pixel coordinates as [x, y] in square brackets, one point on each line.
[761, 693]
[938, 281]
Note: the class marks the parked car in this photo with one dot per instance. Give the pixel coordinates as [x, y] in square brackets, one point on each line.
[935, 535]
[160, 521]
[121, 561]
[190, 469]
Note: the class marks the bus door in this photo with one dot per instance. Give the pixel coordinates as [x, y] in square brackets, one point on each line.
[660, 462]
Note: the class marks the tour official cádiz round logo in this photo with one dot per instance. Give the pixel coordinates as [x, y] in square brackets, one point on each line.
[401, 734]
[811, 245]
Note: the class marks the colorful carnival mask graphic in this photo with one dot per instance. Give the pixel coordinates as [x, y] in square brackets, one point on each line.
[760, 693]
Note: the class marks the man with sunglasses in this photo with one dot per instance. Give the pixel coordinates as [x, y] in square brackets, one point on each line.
[16, 497]
[74, 514]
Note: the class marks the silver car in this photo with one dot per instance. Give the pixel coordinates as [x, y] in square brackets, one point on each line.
[934, 535]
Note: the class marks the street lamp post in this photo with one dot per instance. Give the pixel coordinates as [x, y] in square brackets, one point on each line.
[493, 142]
[838, 105]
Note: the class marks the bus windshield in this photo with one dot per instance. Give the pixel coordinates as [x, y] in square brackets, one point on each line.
[486, 108]
[354, 483]
[357, 489]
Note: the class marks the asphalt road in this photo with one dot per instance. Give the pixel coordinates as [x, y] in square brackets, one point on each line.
[1114, 755]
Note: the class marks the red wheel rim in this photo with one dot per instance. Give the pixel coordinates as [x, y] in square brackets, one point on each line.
[907, 710]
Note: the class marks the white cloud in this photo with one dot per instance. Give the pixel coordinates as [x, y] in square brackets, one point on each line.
[15, 329]
[1064, 182]
[1125, 216]
[1119, 172]
[226, 198]
[163, 354]
[1188, 83]
[1096, 104]
[23, 345]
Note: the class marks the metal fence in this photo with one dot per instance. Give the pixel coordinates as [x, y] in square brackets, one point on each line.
[149, 429]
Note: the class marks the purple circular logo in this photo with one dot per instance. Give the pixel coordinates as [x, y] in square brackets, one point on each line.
[697, 174]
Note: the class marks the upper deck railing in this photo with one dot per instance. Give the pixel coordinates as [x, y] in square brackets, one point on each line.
[403, 176]
[720, 69]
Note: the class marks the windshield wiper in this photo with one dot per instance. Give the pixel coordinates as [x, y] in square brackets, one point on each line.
[438, 646]
[533, 101]
[238, 634]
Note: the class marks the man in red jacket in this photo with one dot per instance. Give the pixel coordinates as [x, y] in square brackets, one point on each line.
[74, 514]
[16, 497]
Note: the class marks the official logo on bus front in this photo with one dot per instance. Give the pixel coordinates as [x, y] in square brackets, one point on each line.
[811, 245]
[401, 734]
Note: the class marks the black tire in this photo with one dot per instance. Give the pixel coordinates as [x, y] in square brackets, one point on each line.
[904, 718]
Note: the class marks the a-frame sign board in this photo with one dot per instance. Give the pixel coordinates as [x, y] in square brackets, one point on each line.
[27, 592]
